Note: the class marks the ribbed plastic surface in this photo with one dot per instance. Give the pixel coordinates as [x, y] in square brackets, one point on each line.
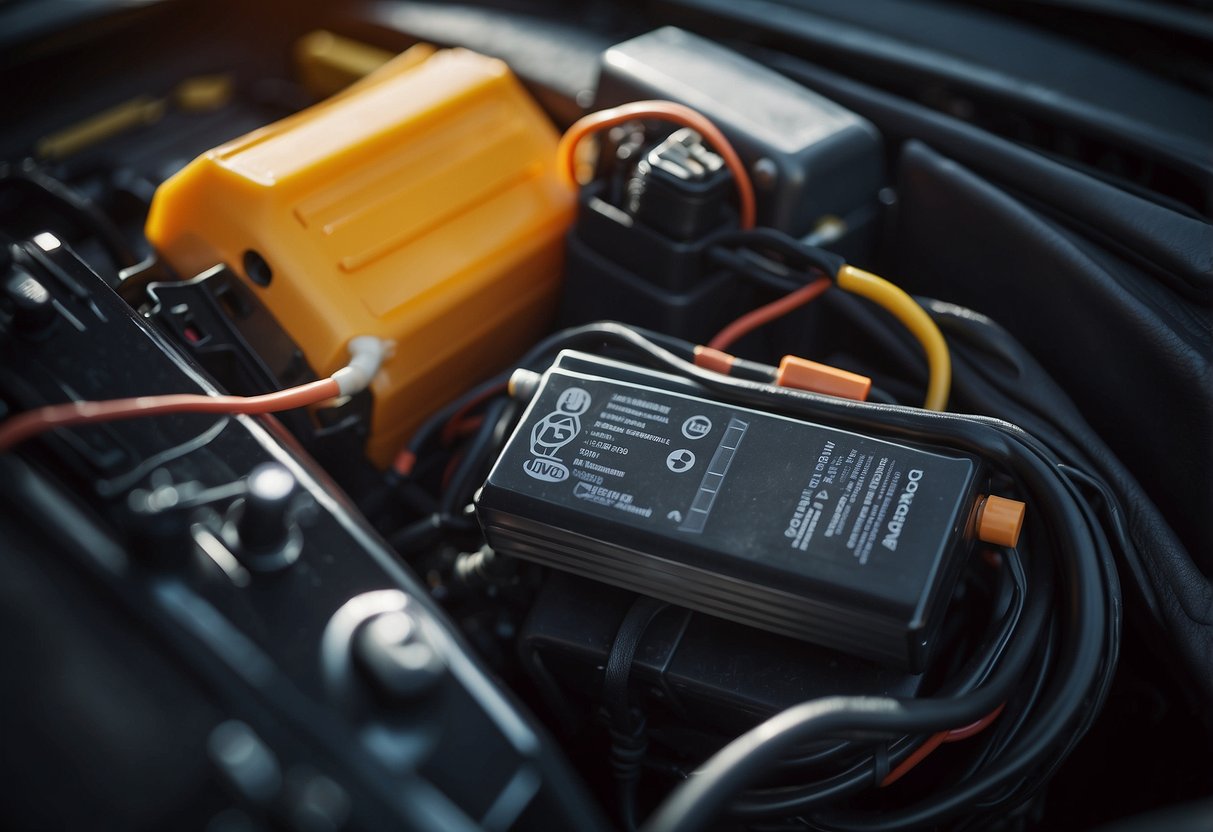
[420, 205]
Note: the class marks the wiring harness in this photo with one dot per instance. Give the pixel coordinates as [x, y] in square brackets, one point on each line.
[1018, 700]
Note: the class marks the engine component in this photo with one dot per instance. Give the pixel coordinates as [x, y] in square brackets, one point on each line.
[816, 166]
[637, 253]
[679, 187]
[218, 321]
[710, 677]
[174, 522]
[260, 528]
[422, 206]
[811, 157]
[841, 539]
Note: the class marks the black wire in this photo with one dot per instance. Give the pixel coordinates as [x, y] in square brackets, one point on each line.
[1018, 793]
[432, 426]
[1034, 766]
[635, 623]
[1056, 429]
[418, 535]
[428, 531]
[475, 459]
[1083, 659]
[756, 271]
[1120, 535]
[1006, 728]
[1008, 355]
[768, 239]
[1080, 565]
[1009, 724]
[781, 802]
[629, 742]
[1042, 774]
[790, 801]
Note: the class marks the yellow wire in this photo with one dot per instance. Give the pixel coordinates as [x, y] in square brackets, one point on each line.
[914, 318]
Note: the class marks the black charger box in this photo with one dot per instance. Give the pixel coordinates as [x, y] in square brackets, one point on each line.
[623, 475]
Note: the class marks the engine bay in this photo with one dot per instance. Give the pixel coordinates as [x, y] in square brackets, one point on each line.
[654, 416]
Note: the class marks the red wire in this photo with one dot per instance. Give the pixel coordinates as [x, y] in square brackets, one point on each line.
[923, 751]
[33, 422]
[455, 427]
[404, 463]
[750, 321]
[452, 429]
[975, 728]
[467, 427]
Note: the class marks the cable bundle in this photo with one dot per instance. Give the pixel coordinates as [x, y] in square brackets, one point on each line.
[1038, 680]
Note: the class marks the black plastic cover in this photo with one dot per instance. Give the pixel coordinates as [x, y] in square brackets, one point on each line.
[822, 158]
[704, 673]
[623, 270]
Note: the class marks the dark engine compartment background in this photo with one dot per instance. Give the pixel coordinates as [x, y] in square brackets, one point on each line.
[1045, 164]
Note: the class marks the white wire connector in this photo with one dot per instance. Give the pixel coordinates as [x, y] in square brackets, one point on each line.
[367, 354]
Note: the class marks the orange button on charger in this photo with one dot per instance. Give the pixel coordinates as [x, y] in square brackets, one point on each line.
[1000, 520]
